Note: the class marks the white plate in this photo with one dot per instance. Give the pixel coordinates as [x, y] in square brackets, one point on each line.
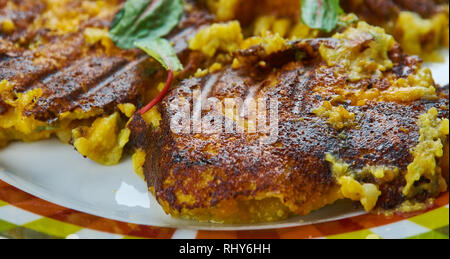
[56, 173]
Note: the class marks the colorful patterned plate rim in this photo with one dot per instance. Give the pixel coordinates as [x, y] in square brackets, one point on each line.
[25, 216]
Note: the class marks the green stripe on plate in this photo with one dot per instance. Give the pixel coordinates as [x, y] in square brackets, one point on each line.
[443, 230]
[4, 226]
[53, 227]
[2, 203]
[24, 233]
[362, 234]
[431, 235]
[434, 219]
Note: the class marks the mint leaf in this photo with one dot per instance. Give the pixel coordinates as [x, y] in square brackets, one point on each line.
[144, 19]
[320, 14]
[162, 51]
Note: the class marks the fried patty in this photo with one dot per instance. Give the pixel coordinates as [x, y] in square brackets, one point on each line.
[75, 71]
[74, 75]
[420, 26]
[381, 11]
[236, 178]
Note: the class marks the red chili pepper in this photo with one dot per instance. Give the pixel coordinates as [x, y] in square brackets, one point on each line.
[160, 95]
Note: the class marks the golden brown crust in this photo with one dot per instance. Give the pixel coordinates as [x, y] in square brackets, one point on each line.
[381, 11]
[192, 174]
[75, 75]
[23, 17]
[247, 10]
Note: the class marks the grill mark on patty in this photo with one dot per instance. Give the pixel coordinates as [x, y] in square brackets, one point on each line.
[32, 66]
[295, 166]
[74, 78]
[125, 68]
[124, 86]
[62, 89]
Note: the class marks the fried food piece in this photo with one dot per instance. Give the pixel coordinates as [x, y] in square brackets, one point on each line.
[67, 72]
[420, 26]
[246, 11]
[379, 12]
[19, 14]
[237, 177]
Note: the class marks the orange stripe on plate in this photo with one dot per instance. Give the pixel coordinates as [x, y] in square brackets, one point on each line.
[38, 206]
[372, 220]
[112, 226]
[30, 203]
[203, 234]
[3, 184]
[107, 225]
[303, 232]
[259, 234]
[13, 195]
[338, 227]
[41, 207]
[152, 232]
[75, 217]
[442, 200]
[255, 234]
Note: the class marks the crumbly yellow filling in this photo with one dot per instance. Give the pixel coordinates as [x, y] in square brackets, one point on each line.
[60, 17]
[138, 159]
[362, 52]
[284, 27]
[80, 114]
[412, 206]
[103, 141]
[338, 167]
[225, 37]
[433, 132]
[128, 109]
[338, 117]
[382, 173]
[273, 43]
[270, 42]
[366, 193]
[213, 68]
[223, 9]
[419, 85]
[153, 117]
[96, 35]
[420, 36]
[13, 125]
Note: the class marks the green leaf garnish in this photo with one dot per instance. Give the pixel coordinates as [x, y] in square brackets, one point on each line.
[162, 51]
[142, 24]
[320, 14]
[144, 19]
